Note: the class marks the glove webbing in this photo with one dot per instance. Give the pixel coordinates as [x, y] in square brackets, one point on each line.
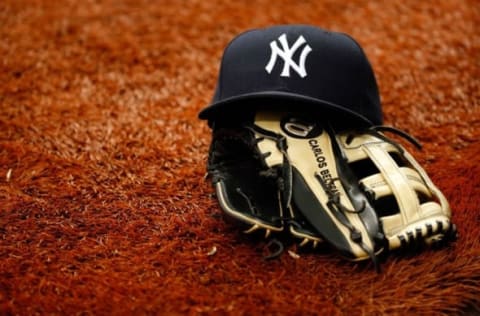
[376, 131]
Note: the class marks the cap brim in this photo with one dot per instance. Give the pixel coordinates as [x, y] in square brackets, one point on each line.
[282, 100]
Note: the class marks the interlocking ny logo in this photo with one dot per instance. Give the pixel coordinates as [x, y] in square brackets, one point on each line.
[286, 53]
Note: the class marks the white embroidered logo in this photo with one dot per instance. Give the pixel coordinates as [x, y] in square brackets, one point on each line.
[286, 53]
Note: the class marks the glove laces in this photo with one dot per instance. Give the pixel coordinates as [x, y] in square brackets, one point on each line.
[377, 132]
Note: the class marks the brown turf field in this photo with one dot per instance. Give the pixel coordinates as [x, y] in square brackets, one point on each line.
[103, 205]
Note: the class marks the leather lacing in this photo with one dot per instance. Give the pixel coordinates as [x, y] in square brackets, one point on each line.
[338, 210]
[274, 247]
[333, 203]
[377, 130]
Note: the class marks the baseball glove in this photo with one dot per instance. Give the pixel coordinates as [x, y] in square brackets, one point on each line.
[359, 191]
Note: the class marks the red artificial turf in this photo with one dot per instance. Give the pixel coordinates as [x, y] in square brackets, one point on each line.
[103, 205]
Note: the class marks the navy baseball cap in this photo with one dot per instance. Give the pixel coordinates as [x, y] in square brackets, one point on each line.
[299, 66]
